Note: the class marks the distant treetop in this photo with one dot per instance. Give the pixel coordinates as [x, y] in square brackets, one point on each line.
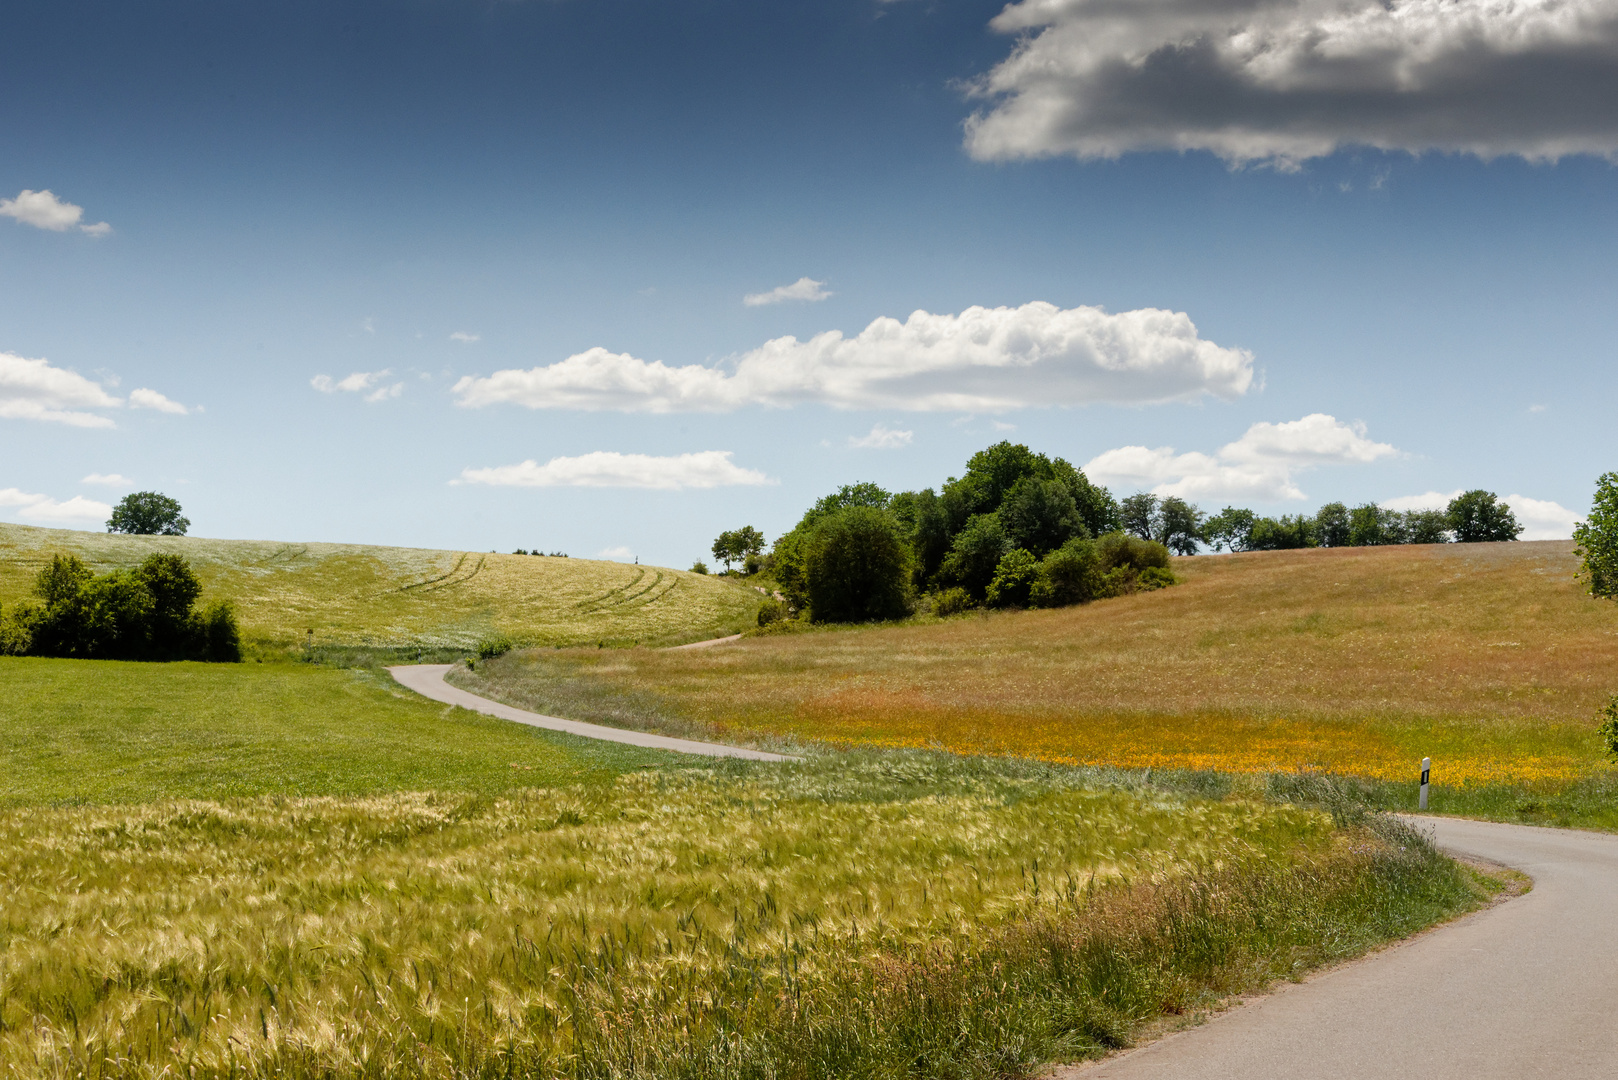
[147, 513]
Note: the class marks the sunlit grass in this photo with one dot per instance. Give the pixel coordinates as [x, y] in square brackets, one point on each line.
[353, 595]
[874, 917]
[1489, 658]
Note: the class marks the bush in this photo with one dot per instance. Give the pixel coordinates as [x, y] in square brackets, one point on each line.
[491, 647]
[773, 611]
[221, 638]
[1609, 727]
[1122, 551]
[975, 555]
[1013, 579]
[699, 567]
[857, 567]
[952, 601]
[1069, 575]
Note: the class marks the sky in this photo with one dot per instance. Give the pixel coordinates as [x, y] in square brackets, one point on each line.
[608, 276]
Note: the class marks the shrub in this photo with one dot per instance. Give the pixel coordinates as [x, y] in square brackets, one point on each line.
[16, 631]
[1069, 575]
[1155, 577]
[1013, 579]
[221, 638]
[857, 566]
[952, 601]
[1122, 551]
[1609, 727]
[491, 647]
[975, 555]
[699, 567]
[773, 611]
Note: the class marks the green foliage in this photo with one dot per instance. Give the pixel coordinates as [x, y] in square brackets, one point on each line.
[1040, 515]
[699, 567]
[1280, 534]
[1332, 527]
[1608, 729]
[1072, 574]
[975, 554]
[142, 614]
[738, 545]
[147, 513]
[1014, 579]
[1426, 527]
[1370, 525]
[1231, 527]
[1139, 513]
[952, 601]
[1596, 540]
[857, 566]
[1172, 522]
[1478, 517]
[1121, 551]
[773, 611]
[923, 514]
[491, 647]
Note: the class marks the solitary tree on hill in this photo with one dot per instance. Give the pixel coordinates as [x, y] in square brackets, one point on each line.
[1596, 543]
[147, 513]
[1477, 517]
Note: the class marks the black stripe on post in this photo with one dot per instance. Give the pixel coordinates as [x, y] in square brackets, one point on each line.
[1424, 776]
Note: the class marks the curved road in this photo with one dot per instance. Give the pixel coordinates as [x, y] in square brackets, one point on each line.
[428, 681]
[1527, 988]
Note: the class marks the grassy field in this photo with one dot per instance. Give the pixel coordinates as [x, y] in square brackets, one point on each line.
[352, 595]
[888, 915]
[105, 731]
[1487, 657]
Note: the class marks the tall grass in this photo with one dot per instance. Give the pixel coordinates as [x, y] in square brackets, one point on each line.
[904, 916]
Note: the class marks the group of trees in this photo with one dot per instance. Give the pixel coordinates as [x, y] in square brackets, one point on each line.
[1016, 529]
[147, 613]
[1472, 517]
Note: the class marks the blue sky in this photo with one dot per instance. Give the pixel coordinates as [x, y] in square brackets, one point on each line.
[358, 243]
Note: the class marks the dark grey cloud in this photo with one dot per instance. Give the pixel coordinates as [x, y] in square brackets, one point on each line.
[1282, 82]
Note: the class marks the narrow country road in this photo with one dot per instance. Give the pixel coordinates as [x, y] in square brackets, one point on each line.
[1528, 988]
[428, 681]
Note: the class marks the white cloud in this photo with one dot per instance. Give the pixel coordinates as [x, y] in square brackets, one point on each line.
[34, 390]
[1427, 500]
[982, 360]
[882, 438]
[463, 336]
[706, 469]
[151, 399]
[1262, 465]
[108, 480]
[620, 553]
[802, 289]
[1282, 81]
[43, 210]
[1542, 519]
[76, 510]
[369, 383]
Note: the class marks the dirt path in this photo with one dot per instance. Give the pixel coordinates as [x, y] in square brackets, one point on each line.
[428, 681]
[1527, 988]
[710, 643]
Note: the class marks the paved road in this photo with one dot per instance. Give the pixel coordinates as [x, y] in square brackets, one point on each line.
[1528, 988]
[428, 681]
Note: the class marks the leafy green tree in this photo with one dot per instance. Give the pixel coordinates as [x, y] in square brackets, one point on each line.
[1595, 540]
[1040, 515]
[1139, 513]
[1179, 525]
[857, 565]
[975, 553]
[1370, 525]
[1069, 575]
[1096, 506]
[1284, 533]
[923, 516]
[1332, 528]
[1013, 580]
[1231, 528]
[738, 545]
[1477, 517]
[1608, 729]
[1426, 527]
[174, 589]
[148, 513]
[147, 613]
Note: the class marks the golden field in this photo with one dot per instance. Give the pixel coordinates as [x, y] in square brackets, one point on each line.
[355, 595]
[1490, 658]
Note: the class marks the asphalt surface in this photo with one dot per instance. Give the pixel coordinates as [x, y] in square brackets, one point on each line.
[428, 681]
[1527, 988]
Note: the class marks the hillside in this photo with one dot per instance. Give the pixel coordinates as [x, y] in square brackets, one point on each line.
[355, 595]
[1488, 657]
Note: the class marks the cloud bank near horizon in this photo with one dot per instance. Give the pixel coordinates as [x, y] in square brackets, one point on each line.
[982, 360]
[610, 469]
[1284, 81]
[42, 508]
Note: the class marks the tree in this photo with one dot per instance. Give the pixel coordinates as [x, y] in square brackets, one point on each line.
[1426, 527]
[1139, 513]
[1332, 525]
[1040, 515]
[1013, 580]
[975, 554]
[857, 566]
[1069, 575]
[1179, 525]
[1281, 534]
[738, 545]
[1595, 540]
[146, 513]
[1232, 527]
[1477, 517]
[1370, 525]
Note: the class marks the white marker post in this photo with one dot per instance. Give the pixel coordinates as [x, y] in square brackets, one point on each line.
[1426, 768]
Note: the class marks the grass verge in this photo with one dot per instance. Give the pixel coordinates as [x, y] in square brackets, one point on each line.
[903, 914]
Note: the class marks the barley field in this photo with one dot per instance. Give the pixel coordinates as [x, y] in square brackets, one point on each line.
[1489, 658]
[887, 916]
[292, 595]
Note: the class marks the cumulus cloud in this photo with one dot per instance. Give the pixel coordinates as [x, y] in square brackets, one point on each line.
[108, 480]
[1541, 519]
[466, 338]
[43, 508]
[982, 360]
[1282, 81]
[605, 468]
[369, 383]
[621, 553]
[151, 399]
[43, 210]
[802, 289]
[34, 390]
[1262, 465]
[881, 437]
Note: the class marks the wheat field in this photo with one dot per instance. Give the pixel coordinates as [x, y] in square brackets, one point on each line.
[296, 594]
